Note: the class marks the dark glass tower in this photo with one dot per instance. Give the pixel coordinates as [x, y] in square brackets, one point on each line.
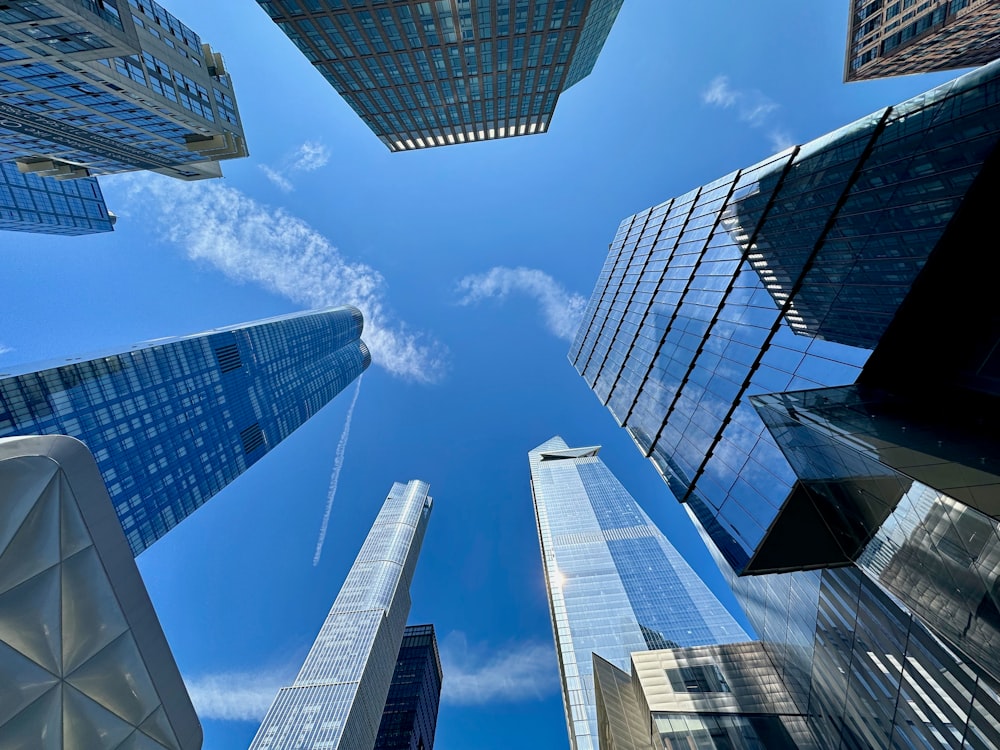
[897, 37]
[615, 584]
[806, 349]
[89, 88]
[410, 715]
[426, 74]
[29, 203]
[172, 422]
[340, 692]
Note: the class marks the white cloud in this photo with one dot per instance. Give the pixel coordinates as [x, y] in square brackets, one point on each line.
[251, 242]
[236, 696]
[752, 107]
[279, 180]
[563, 310]
[780, 139]
[5, 349]
[720, 93]
[310, 156]
[484, 675]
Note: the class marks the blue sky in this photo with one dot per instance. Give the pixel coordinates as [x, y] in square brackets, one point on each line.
[471, 263]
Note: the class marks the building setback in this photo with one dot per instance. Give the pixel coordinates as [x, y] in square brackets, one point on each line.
[411, 708]
[897, 37]
[29, 203]
[172, 422]
[615, 584]
[426, 74]
[806, 350]
[90, 88]
[340, 692]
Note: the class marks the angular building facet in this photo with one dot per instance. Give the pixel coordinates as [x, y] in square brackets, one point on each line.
[411, 708]
[615, 584]
[726, 697]
[29, 203]
[90, 88]
[338, 697]
[83, 659]
[807, 351]
[173, 421]
[424, 74]
[900, 37]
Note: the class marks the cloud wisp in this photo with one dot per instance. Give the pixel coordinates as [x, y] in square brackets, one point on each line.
[308, 157]
[277, 179]
[4, 349]
[561, 309]
[338, 464]
[236, 696]
[751, 107]
[481, 675]
[251, 242]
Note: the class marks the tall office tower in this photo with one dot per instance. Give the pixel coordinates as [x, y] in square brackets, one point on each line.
[89, 88]
[339, 694]
[897, 37]
[173, 421]
[411, 708]
[806, 349]
[615, 584]
[426, 74]
[34, 204]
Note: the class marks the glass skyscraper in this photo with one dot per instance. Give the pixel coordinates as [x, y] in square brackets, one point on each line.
[615, 584]
[338, 697]
[897, 37]
[172, 422]
[29, 203]
[424, 74]
[411, 708]
[89, 88]
[806, 349]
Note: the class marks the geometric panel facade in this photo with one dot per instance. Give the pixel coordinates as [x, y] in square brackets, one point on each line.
[83, 662]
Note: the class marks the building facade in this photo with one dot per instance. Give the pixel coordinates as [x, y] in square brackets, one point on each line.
[775, 342]
[409, 718]
[90, 88]
[615, 584]
[29, 203]
[172, 422]
[728, 697]
[434, 74]
[83, 659]
[898, 37]
[340, 692]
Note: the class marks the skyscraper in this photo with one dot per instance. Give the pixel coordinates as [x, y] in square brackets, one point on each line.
[173, 421]
[409, 718]
[778, 343]
[615, 584]
[29, 203]
[339, 694]
[897, 37]
[89, 88]
[426, 74]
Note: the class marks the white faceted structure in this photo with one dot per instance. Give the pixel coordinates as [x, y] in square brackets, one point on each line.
[83, 661]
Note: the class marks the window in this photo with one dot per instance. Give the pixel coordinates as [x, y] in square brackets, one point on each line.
[697, 679]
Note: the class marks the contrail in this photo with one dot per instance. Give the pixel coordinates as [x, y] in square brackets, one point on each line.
[338, 464]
